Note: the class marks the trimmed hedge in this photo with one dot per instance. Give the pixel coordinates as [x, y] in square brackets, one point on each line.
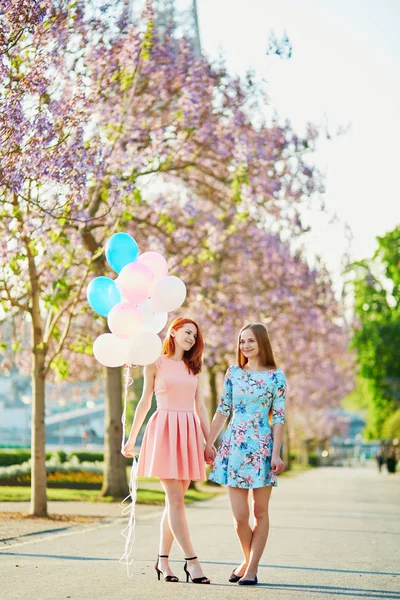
[60, 455]
[17, 457]
[13, 457]
[74, 480]
[88, 456]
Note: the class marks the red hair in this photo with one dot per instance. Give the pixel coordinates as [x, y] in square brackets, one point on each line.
[192, 358]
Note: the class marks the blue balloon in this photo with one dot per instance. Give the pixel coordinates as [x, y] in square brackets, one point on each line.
[121, 249]
[102, 294]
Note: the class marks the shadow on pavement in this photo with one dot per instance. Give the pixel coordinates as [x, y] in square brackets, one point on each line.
[93, 558]
[334, 529]
[337, 591]
[299, 568]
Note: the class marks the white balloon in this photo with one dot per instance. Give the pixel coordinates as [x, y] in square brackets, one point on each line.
[155, 323]
[146, 308]
[144, 349]
[110, 350]
[152, 321]
[168, 294]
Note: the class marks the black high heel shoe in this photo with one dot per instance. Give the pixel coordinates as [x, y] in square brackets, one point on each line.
[248, 581]
[196, 579]
[234, 578]
[168, 578]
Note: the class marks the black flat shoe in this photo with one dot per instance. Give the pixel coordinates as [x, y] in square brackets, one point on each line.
[248, 581]
[168, 578]
[234, 578]
[196, 579]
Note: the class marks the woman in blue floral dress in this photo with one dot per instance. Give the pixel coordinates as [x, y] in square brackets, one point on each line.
[249, 454]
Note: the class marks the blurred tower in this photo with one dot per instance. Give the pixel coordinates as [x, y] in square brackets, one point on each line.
[183, 12]
[196, 28]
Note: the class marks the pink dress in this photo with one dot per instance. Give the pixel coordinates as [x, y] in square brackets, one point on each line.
[172, 446]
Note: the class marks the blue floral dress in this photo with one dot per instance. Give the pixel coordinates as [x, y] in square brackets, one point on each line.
[243, 459]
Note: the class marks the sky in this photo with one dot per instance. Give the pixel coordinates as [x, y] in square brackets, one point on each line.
[344, 71]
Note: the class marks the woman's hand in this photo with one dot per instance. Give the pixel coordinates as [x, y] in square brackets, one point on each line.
[209, 454]
[129, 449]
[277, 465]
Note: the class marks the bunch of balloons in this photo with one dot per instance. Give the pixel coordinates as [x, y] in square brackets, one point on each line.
[136, 303]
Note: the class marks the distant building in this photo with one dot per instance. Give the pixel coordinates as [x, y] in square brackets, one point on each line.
[74, 412]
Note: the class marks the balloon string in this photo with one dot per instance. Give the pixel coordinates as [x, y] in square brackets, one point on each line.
[128, 509]
[128, 381]
[128, 504]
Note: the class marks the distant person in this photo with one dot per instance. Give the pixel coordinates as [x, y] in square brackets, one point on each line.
[391, 460]
[248, 457]
[380, 459]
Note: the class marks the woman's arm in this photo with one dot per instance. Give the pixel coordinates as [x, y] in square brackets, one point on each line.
[278, 419]
[142, 409]
[220, 417]
[201, 412]
[277, 465]
[216, 426]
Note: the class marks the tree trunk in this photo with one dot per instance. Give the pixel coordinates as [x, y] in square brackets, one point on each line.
[39, 350]
[212, 378]
[303, 452]
[114, 481]
[38, 476]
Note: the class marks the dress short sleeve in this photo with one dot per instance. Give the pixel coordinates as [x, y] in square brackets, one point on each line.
[225, 405]
[159, 361]
[279, 400]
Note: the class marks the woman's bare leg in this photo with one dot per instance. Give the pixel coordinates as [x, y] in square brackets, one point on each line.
[166, 536]
[175, 491]
[239, 498]
[261, 498]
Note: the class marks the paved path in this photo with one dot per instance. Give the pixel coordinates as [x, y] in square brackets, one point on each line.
[335, 533]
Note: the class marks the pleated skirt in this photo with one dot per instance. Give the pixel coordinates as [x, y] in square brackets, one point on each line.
[172, 447]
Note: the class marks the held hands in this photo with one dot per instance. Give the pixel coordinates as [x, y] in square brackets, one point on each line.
[209, 454]
[277, 465]
[129, 449]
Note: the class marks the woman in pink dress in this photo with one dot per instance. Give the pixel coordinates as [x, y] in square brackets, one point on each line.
[172, 447]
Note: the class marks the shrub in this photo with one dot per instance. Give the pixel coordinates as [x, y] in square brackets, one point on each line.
[313, 459]
[86, 475]
[87, 456]
[17, 457]
[73, 480]
[59, 455]
[13, 457]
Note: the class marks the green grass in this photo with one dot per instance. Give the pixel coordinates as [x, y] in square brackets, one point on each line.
[10, 493]
[144, 496]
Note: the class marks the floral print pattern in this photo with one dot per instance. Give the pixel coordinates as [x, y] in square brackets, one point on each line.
[244, 455]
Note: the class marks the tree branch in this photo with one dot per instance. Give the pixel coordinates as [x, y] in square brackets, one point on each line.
[69, 321]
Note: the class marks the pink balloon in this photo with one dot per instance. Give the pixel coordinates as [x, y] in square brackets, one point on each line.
[125, 320]
[135, 282]
[155, 262]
